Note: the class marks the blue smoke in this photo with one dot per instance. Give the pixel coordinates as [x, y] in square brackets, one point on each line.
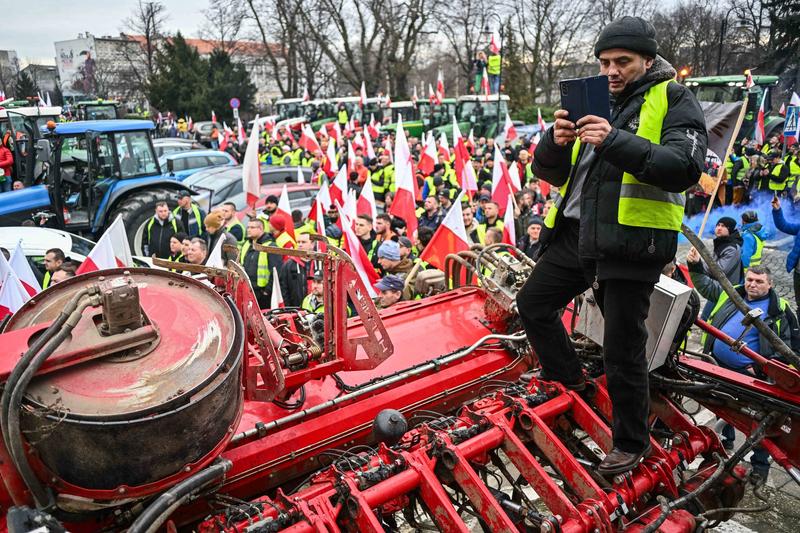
[760, 203]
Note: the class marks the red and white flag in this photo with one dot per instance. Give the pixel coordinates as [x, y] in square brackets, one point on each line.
[19, 264]
[450, 237]
[404, 205]
[213, 116]
[339, 186]
[226, 139]
[456, 132]
[471, 141]
[760, 135]
[285, 208]
[215, 256]
[501, 181]
[465, 172]
[432, 95]
[308, 141]
[242, 132]
[540, 120]
[306, 96]
[414, 97]
[301, 177]
[387, 145]
[12, 294]
[444, 148]
[428, 158]
[351, 158]
[366, 201]
[485, 84]
[337, 132]
[509, 232]
[276, 301]
[373, 127]
[111, 251]
[439, 87]
[329, 163]
[748, 80]
[226, 128]
[251, 168]
[351, 206]
[190, 124]
[494, 44]
[362, 100]
[782, 110]
[509, 131]
[388, 102]
[369, 148]
[513, 173]
[355, 250]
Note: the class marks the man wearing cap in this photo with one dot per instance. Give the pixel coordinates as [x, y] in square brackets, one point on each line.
[391, 288]
[189, 215]
[390, 261]
[313, 302]
[778, 173]
[615, 222]
[753, 237]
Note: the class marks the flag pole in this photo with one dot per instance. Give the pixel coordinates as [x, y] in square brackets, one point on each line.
[721, 173]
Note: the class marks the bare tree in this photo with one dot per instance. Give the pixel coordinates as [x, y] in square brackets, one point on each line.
[462, 23]
[604, 11]
[147, 24]
[223, 25]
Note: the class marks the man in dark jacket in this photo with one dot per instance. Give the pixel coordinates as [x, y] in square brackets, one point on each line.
[158, 231]
[615, 223]
[259, 266]
[296, 273]
[757, 291]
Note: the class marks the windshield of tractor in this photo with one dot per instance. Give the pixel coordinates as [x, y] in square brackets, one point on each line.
[406, 112]
[36, 122]
[718, 93]
[293, 110]
[101, 112]
[479, 109]
[136, 157]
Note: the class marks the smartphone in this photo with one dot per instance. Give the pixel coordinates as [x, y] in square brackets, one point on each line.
[585, 96]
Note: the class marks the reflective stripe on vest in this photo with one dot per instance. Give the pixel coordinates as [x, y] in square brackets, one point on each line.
[262, 271]
[755, 259]
[236, 222]
[153, 221]
[774, 185]
[640, 204]
[283, 239]
[197, 218]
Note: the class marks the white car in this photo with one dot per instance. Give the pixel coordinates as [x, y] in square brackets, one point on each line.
[36, 242]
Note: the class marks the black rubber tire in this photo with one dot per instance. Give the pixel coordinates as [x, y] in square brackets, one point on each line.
[139, 206]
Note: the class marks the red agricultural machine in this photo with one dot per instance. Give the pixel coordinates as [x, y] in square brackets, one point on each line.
[141, 400]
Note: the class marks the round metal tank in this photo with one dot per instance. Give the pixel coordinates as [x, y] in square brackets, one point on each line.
[129, 423]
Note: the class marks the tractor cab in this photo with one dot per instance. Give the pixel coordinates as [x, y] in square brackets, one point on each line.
[97, 110]
[727, 89]
[287, 108]
[23, 122]
[480, 113]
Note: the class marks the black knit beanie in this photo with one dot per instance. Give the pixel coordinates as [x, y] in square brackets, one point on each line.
[728, 222]
[630, 33]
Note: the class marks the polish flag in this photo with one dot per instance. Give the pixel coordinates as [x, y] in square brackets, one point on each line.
[12, 294]
[351, 206]
[414, 97]
[439, 87]
[403, 205]
[111, 251]
[269, 125]
[782, 110]
[372, 128]
[339, 186]
[432, 95]
[226, 128]
[226, 138]
[501, 181]
[509, 232]
[286, 209]
[358, 142]
[190, 124]
[450, 237]
[362, 100]
[351, 158]
[306, 96]
[494, 45]
[308, 140]
[760, 135]
[513, 173]
[301, 177]
[337, 131]
[329, 163]
[213, 116]
[387, 145]
[428, 158]
[242, 132]
[456, 132]
[251, 169]
[471, 141]
[19, 264]
[509, 131]
[748, 80]
[485, 84]
[276, 302]
[542, 123]
[5, 268]
[388, 102]
[370, 150]
[214, 259]
[366, 201]
[464, 169]
[322, 202]
[359, 256]
[444, 148]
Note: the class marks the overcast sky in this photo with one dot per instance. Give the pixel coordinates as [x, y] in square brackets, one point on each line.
[31, 32]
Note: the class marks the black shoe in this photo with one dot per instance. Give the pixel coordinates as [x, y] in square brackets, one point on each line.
[618, 461]
[728, 445]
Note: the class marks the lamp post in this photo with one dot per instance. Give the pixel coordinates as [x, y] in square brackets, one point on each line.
[723, 29]
[500, 73]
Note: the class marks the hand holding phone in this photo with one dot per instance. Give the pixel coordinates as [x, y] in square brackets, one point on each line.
[585, 96]
[563, 130]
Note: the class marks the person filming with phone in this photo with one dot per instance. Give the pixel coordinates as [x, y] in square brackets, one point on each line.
[615, 223]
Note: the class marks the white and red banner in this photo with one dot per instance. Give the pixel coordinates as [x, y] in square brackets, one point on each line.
[509, 231]
[509, 131]
[366, 201]
[352, 246]
[285, 208]
[111, 251]
[308, 141]
[12, 294]
[760, 135]
[276, 301]
[450, 237]
[404, 205]
[251, 168]
[362, 100]
[428, 158]
[22, 268]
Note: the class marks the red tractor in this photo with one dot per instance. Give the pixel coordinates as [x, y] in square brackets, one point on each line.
[145, 400]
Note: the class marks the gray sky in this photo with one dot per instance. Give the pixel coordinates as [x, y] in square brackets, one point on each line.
[31, 32]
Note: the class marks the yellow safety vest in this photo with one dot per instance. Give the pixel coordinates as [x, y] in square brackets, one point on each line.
[493, 65]
[640, 205]
[774, 185]
[342, 117]
[236, 222]
[262, 272]
[46, 282]
[283, 239]
[483, 227]
[312, 304]
[724, 298]
[196, 212]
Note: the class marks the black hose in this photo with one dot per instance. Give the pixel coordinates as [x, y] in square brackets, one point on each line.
[16, 446]
[160, 509]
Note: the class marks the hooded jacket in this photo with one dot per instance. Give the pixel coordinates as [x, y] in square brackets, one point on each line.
[728, 255]
[749, 233]
[674, 165]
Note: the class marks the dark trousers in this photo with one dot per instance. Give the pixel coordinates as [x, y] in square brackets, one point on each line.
[557, 278]
[796, 276]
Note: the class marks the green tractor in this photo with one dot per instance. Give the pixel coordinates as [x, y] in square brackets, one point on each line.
[485, 115]
[422, 117]
[97, 110]
[24, 123]
[726, 89]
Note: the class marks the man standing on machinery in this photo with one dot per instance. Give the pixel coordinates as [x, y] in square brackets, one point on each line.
[615, 223]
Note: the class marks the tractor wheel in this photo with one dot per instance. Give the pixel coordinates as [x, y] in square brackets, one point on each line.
[136, 210]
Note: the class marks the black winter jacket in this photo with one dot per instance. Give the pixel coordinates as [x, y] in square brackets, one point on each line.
[627, 252]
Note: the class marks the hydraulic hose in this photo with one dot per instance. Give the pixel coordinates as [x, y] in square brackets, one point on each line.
[161, 508]
[17, 391]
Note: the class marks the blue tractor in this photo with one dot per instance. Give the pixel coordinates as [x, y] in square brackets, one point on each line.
[94, 171]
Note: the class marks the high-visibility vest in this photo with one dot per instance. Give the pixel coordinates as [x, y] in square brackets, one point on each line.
[312, 304]
[794, 170]
[236, 222]
[774, 185]
[284, 240]
[484, 226]
[493, 65]
[295, 157]
[382, 180]
[196, 212]
[46, 282]
[153, 221]
[724, 298]
[640, 205]
[277, 155]
[262, 272]
[342, 117]
[755, 259]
